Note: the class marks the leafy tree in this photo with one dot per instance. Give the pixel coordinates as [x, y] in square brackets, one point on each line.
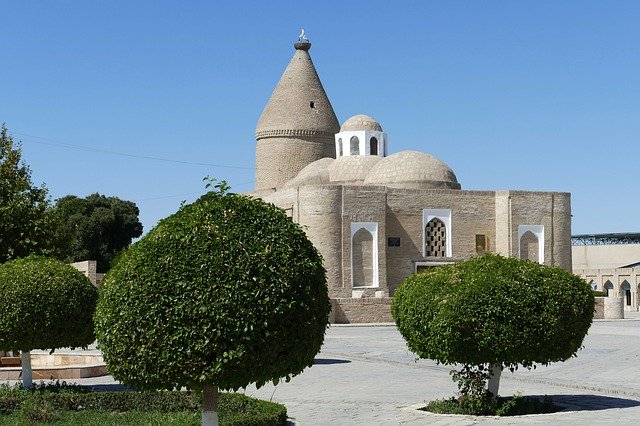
[491, 313]
[94, 228]
[23, 221]
[226, 292]
[46, 304]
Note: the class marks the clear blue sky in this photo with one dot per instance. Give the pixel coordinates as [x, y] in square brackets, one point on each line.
[533, 95]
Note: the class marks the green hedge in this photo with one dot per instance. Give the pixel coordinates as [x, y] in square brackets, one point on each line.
[233, 408]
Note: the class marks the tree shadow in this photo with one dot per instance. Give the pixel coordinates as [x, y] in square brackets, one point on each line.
[585, 402]
[329, 361]
[112, 387]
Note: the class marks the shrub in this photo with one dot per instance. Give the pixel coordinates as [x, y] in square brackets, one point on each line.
[494, 311]
[226, 292]
[45, 404]
[46, 304]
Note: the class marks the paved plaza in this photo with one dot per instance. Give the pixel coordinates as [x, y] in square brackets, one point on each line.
[365, 375]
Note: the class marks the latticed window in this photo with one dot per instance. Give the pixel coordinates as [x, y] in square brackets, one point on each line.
[435, 237]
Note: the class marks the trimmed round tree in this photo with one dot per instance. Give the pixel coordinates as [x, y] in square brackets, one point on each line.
[46, 304]
[492, 312]
[226, 292]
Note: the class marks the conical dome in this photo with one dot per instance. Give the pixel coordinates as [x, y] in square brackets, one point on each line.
[298, 125]
[299, 105]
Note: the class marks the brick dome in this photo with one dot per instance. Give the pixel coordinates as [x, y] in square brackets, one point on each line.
[412, 169]
[352, 169]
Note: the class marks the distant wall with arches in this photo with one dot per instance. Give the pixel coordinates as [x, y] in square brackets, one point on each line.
[618, 282]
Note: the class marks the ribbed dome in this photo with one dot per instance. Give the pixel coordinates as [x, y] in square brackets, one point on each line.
[352, 169]
[412, 169]
[361, 122]
[299, 105]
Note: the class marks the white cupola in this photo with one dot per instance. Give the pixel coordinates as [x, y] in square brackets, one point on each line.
[361, 135]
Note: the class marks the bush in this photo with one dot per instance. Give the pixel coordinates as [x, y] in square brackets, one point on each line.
[597, 293]
[227, 291]
[511, 406]
[494, 310]
[491, 313]
[45, 404]
[46, 304]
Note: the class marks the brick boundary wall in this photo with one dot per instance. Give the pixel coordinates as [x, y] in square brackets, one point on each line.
[361, 311]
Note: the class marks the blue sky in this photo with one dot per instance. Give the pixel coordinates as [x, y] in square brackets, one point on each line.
[532, 95]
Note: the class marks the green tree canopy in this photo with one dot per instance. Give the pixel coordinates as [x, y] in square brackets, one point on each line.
[94, 228]
[46, 304]
[494, 312]
[23, 220]
[226, 292]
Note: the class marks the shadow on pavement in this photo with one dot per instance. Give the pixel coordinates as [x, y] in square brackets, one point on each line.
[327, 361]
[589, 402]
[113, 387]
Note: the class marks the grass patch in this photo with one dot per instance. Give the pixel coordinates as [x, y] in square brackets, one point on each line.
[517, 405]
[74, 405]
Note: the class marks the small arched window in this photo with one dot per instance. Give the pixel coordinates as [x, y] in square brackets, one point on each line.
[354, 148]
[608, 286]
[339, 147]
[373, 143]
[626, 288]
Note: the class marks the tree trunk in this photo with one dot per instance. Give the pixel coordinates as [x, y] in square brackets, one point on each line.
[27, 375]
[494, 380]
[210, 406]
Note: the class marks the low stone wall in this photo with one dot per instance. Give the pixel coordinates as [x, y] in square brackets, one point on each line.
[609, 308]
[599, 314]
[361, 310]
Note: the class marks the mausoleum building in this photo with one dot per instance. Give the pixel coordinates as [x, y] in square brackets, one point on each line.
[376, 216]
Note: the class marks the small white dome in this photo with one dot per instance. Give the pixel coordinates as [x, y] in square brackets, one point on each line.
[360, 122]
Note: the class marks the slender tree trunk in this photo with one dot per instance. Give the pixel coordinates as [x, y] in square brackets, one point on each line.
[494, 380]
[210, 406]
[27, 375]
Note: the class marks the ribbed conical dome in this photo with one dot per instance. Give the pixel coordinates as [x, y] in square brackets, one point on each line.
[299, 105]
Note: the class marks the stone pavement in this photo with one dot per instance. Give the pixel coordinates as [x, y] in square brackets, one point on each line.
[365, 375]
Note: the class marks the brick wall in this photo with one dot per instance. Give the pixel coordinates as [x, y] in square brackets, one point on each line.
[361, 311]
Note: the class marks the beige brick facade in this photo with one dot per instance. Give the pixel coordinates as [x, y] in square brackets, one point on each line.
[326, 212]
